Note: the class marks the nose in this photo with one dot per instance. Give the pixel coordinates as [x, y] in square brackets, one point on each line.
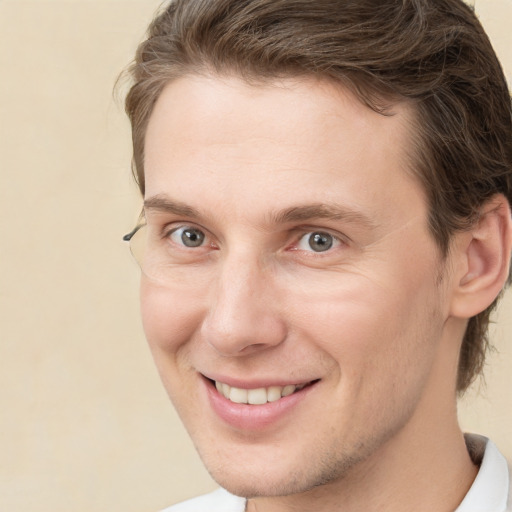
[243, 315]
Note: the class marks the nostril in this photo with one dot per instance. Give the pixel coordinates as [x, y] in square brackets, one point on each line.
[253, 347]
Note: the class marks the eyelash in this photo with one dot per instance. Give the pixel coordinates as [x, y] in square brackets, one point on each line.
[299, 235]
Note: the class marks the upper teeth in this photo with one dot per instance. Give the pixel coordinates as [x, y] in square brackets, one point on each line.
[256, 396]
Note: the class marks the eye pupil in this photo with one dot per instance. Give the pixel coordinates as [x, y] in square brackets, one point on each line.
[320, 242]
[192, 237]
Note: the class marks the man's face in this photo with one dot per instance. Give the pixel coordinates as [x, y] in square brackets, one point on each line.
[298, 261]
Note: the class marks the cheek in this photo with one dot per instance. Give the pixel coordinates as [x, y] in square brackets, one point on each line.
[373, 328]
[169, 318]
[383, 353]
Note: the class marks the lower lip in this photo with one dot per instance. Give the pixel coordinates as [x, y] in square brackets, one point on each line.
[254, 417]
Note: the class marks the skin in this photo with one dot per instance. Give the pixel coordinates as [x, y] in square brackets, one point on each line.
[370, 320]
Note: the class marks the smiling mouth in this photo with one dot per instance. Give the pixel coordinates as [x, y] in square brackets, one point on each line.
[258, 396]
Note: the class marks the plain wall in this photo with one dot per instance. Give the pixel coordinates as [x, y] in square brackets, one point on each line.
[85, 424]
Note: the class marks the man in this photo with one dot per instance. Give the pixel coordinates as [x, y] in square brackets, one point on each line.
[326, 230]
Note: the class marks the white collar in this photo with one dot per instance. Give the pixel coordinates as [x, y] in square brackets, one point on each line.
[490, 489]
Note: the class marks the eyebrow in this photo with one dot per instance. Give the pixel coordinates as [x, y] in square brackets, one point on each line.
[163, 204]
[303, 213]
[321, 211]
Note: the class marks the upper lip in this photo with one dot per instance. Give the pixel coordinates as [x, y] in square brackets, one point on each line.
[257, 383]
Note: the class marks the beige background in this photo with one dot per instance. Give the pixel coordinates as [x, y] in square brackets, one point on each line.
[84, 424]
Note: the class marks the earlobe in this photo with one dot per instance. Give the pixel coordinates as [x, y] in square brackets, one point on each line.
[484, 257]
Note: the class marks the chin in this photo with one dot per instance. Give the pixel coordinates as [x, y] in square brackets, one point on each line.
[262, 484]
[270, 473]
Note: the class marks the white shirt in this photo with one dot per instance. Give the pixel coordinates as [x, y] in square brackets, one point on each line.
[491, 491]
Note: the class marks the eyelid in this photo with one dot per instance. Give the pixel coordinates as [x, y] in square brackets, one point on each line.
[174, 225]
[305, 230]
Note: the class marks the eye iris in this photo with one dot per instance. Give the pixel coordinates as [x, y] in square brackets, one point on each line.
[320, 242]
[192, 237]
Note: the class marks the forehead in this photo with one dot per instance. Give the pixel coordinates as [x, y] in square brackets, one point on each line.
[300, 140]
[301, 107]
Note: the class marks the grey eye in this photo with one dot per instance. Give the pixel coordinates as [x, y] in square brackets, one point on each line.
[189, 237]
[316, 241]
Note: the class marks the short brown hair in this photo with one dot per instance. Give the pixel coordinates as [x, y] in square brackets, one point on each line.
[432, 53]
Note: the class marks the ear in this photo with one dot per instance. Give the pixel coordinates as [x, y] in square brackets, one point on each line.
[482, 258]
